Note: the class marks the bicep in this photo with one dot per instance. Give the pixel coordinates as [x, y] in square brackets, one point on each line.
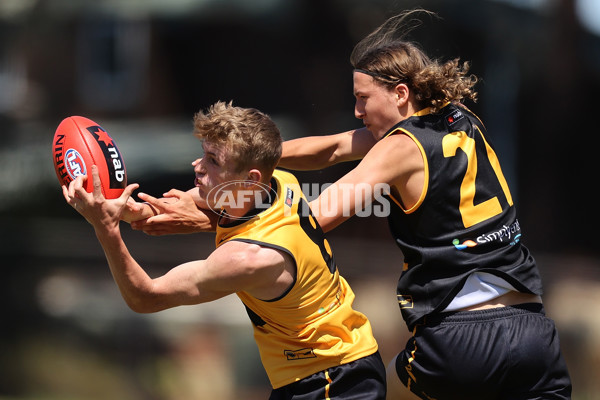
[354, 145]
[344, 198]
[386, 167]
[232, 267]
[189, 283]
[316, 152]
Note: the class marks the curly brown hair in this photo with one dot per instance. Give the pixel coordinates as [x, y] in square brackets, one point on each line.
[253, 139]
[391, 60]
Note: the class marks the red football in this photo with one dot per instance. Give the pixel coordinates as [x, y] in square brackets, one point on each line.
[80, 143]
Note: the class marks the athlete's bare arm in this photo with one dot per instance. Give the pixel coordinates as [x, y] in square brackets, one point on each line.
[317, 152]
[177, 212]
[379, 169]
[232, 267]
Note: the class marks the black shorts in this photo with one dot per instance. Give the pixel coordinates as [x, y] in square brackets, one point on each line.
[363, 379]
[500, 353]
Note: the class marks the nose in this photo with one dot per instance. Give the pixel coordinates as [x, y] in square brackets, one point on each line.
[359, 111]
[198, 166]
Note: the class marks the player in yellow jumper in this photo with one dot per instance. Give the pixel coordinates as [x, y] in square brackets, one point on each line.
[270, 252]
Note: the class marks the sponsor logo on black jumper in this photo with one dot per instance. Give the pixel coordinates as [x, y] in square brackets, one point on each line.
[454, 117]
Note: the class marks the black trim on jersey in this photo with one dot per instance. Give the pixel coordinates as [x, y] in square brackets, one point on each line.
[255, 211]
[254, 317]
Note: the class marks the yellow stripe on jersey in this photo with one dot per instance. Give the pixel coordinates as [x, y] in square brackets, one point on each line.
[313, 326]
[329, 381]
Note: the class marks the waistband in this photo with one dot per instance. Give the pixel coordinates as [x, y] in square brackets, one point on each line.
[484, 315]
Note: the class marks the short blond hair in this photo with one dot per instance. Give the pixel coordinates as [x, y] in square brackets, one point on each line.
[251, 137]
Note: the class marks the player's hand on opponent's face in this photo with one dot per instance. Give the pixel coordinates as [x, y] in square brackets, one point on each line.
[96, 209]
[176, 213]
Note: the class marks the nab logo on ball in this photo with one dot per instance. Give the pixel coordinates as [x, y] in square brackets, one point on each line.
[80, 143]
[111, 153]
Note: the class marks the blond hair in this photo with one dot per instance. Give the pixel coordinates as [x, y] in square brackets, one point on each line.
[251, 137]
[390, 60]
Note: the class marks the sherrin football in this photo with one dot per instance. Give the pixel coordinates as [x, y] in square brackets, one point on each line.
[80, 143]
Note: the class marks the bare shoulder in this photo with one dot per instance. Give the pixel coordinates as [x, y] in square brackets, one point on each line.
[249, 255]
[359, 142]
[263, 271]
[391, 158]
[398, 161]
[396, 145]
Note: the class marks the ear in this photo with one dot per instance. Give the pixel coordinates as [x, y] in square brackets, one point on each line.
[254, 175]
[402, 94]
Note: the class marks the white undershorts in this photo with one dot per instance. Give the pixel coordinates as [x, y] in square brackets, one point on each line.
[479, 288]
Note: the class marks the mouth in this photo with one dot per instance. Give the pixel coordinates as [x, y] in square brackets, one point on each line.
[202, 190]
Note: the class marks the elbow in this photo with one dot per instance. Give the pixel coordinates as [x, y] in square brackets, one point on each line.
[143, 304]
[138, 307]
[326, 220]
[328, 224]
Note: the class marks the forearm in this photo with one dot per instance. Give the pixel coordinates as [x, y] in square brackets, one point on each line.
[177, 212]
[136, 211]
[207, 219]
[191, 220]
[328, 213]
[198, 220]
[133, 282]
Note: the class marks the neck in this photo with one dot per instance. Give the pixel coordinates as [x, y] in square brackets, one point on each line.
[409, 109]
[246, 204]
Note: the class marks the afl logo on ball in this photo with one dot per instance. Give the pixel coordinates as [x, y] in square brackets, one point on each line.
[74, 164]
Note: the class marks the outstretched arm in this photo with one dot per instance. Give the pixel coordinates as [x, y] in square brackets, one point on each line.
[177, 212]
[317, 152]
[233, 267]
[394, 166]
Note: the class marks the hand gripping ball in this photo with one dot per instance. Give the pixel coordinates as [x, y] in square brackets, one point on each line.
[80, 143]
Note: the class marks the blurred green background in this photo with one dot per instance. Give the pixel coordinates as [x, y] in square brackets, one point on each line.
[142, 68]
